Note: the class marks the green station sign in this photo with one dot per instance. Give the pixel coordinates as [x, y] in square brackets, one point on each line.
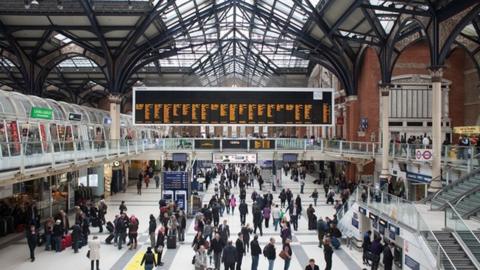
[41, 113]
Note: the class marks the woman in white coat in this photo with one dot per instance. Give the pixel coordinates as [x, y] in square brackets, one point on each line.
[94, 249]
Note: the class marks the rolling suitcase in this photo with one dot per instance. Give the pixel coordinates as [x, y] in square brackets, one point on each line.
[3, 227]
[66, 241]
[171, 242]
[10, 224]
[109, 239]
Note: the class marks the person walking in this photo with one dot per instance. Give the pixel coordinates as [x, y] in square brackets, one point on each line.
[201, 259]
[32, 238]
[182, 224]
[149, 259]
[321, 230]
[139, 183]
[48, 229]
[287, 252]
[255, 251]
[327, 254]
[229, 256]
[233, 204]
[246, 231]
[311, 265]
[294, 214]
[94, 249]
[224, 231]
[76, 237]
[388, 256]
[314, 196]
[133, 232]
[152, 227]
[302, 185]
[216, 246]
[276, 216]
[57, 235]
[367, 242]
[239, 246]
[122, 207]
[312, 218]
[282, 197]
[376, 249]
[270, 253]
[257, 220]
[157, 180]
[266, 215]
[160, 245]
[243, 209]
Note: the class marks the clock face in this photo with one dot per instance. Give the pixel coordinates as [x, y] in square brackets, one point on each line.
[116, 163]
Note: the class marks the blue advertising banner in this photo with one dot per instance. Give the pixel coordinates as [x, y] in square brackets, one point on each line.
[355, 223]
[411, 263]
[175, 180]
[419, 177]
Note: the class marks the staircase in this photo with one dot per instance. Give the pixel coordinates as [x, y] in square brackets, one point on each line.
[454, 251]
[471, 242]
[467, 187]
[469, 205]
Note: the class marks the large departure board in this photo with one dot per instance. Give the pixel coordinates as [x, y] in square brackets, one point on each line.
[233, 106]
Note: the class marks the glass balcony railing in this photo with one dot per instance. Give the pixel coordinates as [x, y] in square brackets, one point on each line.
[405, 213]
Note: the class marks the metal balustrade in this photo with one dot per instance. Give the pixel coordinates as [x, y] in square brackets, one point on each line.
[22, 155]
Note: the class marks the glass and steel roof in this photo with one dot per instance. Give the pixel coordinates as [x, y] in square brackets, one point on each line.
[86, 49]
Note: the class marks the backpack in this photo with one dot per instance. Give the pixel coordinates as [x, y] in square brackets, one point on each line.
[265, 251]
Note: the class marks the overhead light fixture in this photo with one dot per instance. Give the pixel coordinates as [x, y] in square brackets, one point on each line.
[60, 4]
[130, 4]
[34, 3]
[27, 4]
[92, 4]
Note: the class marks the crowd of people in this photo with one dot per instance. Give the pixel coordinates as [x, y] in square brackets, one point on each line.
[212, 241]
[259, 212]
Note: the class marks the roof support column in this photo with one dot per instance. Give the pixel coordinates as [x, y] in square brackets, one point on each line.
[436, 74]
[385, 113]
[115, 101]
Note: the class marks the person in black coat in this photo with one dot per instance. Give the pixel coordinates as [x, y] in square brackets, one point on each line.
[76, 237]
[367, 242]
[240, 251]
[311, 265]
[257, 220]
[255, 251]
[224, 231]
[32, 238]
[246, 231]
[160, 245]
[229, 256]
[243, 208]
[216, 246]
[327, 254]
[388, 256]
[57, 235]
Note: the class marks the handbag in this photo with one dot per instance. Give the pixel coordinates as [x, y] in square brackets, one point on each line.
[283, 255]
[193, 259]
[88, 254]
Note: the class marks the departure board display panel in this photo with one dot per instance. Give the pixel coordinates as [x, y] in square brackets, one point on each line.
[233, 106]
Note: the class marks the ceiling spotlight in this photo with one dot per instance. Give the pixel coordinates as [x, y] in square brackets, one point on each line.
[34, 3]
[27, 4]
[60, 4]
[130, 4]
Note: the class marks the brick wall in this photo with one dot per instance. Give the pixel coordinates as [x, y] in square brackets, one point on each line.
[471, 93]
[414, 60]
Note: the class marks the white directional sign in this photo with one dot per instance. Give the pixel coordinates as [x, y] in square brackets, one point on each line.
[423, 154]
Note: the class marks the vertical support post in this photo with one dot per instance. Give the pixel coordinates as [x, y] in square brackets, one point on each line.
[436, 74]
[115, 101]
[385, 113]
